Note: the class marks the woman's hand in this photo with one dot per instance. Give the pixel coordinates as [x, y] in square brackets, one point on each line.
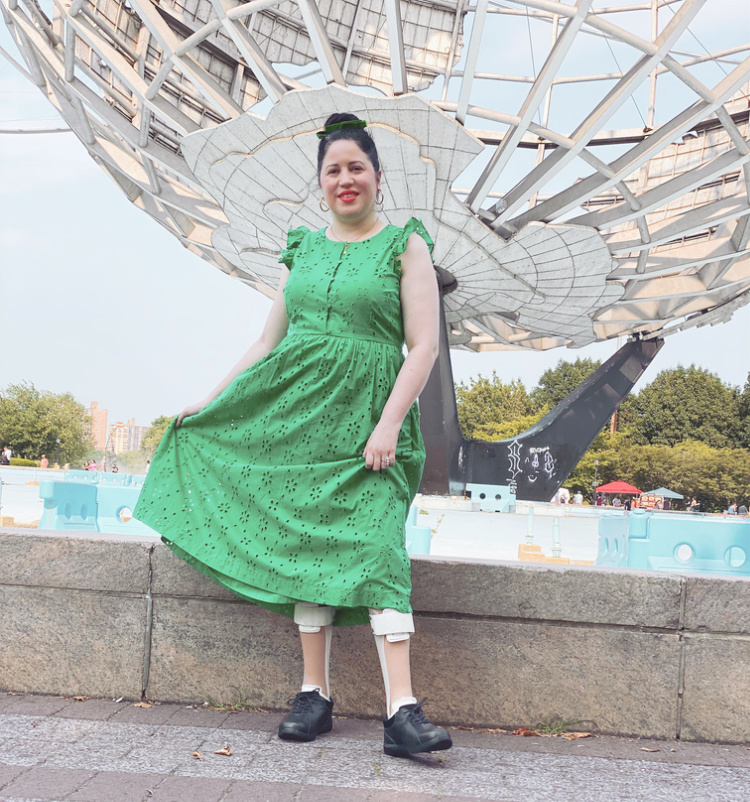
[193, 409]
[380, 451]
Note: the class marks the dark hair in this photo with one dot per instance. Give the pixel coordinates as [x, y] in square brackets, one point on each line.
[357, 135]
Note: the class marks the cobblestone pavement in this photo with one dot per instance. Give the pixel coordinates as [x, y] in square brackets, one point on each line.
[54, 749]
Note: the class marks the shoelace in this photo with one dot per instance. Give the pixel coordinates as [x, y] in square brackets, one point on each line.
[417, 715]
[301, 703]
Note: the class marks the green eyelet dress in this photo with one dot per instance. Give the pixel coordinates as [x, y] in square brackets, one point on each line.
[265, 491]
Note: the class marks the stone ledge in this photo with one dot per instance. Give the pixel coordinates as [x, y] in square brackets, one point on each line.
[583, 594]
[173, 577]
[83, 561]
[498, 589]
[717, 604]
[112, 616]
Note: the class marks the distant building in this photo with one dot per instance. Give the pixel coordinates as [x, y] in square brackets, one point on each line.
[135, 435]
[118, 438]
[98, 420]
[126, 436]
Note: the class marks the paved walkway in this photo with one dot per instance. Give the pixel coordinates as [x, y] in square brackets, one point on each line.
[54, 749]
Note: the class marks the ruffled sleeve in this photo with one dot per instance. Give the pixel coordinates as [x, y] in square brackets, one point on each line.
[293, 239]
[414, 226]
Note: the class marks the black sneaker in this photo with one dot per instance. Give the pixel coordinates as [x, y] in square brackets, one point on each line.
[408, 732]
[309, 717]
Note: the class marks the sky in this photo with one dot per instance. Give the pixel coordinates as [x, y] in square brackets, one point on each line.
[101, 302]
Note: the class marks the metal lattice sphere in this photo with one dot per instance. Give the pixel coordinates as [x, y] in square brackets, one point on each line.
[582, 166]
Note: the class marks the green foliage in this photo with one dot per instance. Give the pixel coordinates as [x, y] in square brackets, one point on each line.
[556, 726]
[560, 381]
[130, 461]
[743, 409]
[604, 449]
[510, 428]
[154, 434]
[686, 430]
[19, 462]
[31, 421]
[715, 476]
[684, 404]
[486, 404]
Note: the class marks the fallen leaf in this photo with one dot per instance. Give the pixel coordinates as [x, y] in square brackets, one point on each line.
[142, 704]
[571, 736]
[225, 751]
[197, 755]
[643, 749]
[80, 698]
[672, 750]
[526, 732]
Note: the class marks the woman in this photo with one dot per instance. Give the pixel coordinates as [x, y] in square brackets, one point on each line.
[291, 481]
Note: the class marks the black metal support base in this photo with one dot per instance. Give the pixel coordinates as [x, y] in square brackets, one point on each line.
[538, 460]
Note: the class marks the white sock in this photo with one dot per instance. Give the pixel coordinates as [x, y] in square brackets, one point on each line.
[404, 700]
[309, 688]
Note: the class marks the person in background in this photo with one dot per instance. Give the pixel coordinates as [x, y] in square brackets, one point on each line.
[44, 462]
[732, 509]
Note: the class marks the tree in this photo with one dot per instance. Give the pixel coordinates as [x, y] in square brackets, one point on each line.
[605, 449]
[485, 404]
[131, 461]
[684, 404]
[510, 428]
[560, 381]
[31, 421]
[743, 409]
[154, 434]
[715, 476]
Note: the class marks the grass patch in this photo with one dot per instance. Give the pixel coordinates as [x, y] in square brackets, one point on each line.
[239, 705]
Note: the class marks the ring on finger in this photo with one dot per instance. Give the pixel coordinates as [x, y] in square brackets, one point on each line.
[387, 462]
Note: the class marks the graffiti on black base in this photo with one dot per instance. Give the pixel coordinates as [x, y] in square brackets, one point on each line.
[540, 461]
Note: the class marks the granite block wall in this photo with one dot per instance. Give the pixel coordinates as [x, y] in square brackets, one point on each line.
[499, 645]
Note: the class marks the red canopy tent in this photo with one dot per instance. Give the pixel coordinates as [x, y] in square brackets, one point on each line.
[619, 487]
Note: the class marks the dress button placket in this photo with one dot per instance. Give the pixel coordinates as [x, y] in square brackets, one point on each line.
[334, 272]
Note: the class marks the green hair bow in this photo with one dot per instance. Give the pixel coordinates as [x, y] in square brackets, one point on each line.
[329, 129]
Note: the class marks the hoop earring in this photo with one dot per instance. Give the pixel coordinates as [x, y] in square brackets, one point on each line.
[327, 207]
[379, 202]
